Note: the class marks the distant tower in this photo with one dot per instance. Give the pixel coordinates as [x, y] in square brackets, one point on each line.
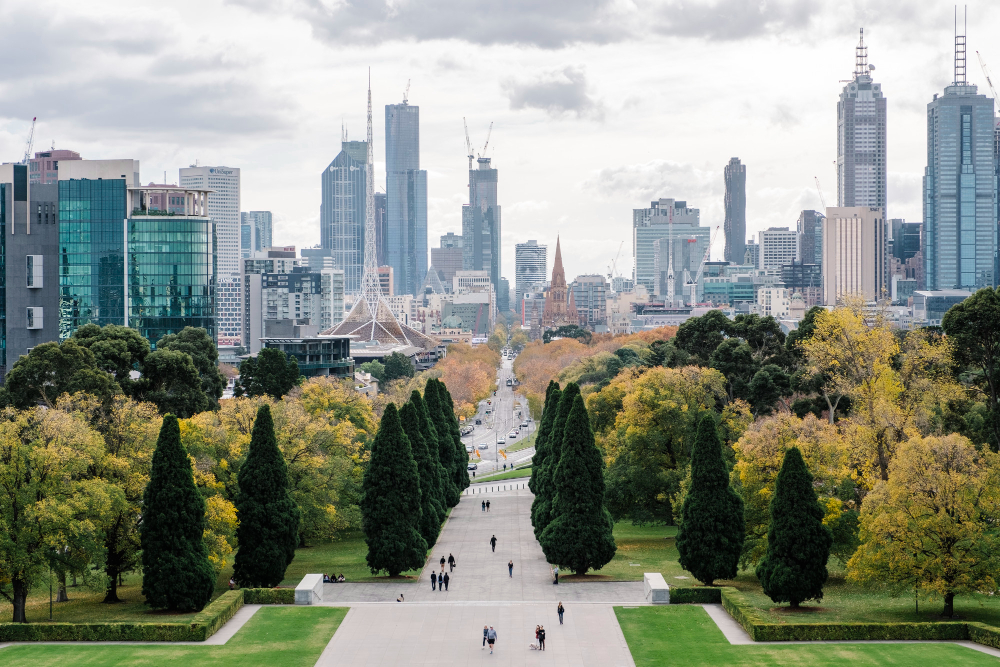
[560, 306]
[736, 211]
[861, 137]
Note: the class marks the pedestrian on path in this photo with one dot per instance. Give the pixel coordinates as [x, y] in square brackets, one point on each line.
[451, 562]
[442, 563]
[486, 631]
[446, 580]
[400, 598]
[491, 638]
[434, 580]
[484, 505]
[555, 571]
[560, 610]
[510, 568]
[487, 507]
[541, 637]
[493, 543]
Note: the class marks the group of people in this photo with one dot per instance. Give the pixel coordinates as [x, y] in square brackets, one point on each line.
[330, 579]
[490, 634]
[440, 581]
[486, 506]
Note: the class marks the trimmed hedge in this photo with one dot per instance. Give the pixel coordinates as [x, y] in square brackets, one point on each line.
[269, 596]
[695, 595]
[205, 624]
[986, 635]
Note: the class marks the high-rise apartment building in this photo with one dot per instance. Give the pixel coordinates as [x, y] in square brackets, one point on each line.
[590, 294]
[736, 211]
[481, 222]
[810, 229]
[43, 169]
[224, 209]
[778, 246]
[447, 259]
[854, 253]
[960, 185]
[406, 199]
[530, 270]
[255, 232]
[905, 238]
[861, 137]
[652, 229]
[342, 211]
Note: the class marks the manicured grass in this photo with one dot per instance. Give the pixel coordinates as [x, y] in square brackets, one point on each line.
[651, 548]
[524, 472]
[344, 556]
[286, 636]
[523, 444]
[685, 635]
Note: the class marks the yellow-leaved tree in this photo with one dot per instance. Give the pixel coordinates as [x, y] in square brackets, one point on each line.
[932, 524]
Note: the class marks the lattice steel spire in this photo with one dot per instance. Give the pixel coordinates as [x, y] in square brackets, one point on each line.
[371, 291]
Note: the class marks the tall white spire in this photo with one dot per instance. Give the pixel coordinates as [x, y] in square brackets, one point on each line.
[371, 291]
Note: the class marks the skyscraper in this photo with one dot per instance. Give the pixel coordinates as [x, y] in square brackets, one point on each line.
[959, 185]
[224, 209]
[736, 211]
[481, 222]
[342, 211]
[810, 229]
[861, 132]
[406, 198]
[530, 269]
[255, 232]
[854, 253]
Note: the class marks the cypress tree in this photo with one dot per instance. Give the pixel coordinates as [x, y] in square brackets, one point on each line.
[710, 538]
[176, 571]
[798, 544]
[413, 426]
[446, 448]
[460, 470]
[580, 533]
[437, 471]
[552, 395]
[390, 504]
[543, 514]
[269, 518]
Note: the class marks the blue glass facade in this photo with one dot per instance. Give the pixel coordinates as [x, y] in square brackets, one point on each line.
[3, 275]
[342, 212]
[171, 277]
[91, 253]
[406, 199]
[959, 191]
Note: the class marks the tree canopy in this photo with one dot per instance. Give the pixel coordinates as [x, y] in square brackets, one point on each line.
[271, 373]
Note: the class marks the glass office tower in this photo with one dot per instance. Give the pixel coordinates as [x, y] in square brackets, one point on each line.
[342, 211]
[406, 199]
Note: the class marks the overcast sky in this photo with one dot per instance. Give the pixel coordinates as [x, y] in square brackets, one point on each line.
[597, 107]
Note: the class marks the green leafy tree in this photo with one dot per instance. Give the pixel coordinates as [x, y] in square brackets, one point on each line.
[434, 399]
[711, 534]
[699, 336]
[762, 334]
[52, 369]
[802, 333]
[390, 506]
[176, 574]
[271, 373]
[118, 350]
[542, 513]
[568, 331]
[734, 359]
[769, 385]
[580, 533]
[798, 544]
[412, 420]
[204, 352]
[376, 369]
[397, 366]
[269, 518]
[171, 381]
[459, 470]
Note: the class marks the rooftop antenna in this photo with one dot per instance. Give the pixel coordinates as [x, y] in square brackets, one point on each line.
[861, 57]
[960, 79]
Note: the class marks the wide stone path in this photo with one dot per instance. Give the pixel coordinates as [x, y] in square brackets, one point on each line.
[446, 628]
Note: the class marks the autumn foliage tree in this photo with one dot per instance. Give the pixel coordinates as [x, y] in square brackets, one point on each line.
[470, 375]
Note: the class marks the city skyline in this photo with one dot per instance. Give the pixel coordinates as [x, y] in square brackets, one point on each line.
[571, 80]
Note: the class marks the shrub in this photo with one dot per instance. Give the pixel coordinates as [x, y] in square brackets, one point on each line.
[695, 595]
[269, 596]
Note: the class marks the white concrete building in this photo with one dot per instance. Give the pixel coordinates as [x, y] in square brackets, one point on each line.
[778, 246]
[773, 301]
[854, 253]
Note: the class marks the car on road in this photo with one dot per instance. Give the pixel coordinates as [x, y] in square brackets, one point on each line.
[479, 422]
[467, 430]
[524, 424]
[512, 434]
[473, 466]
[484, 446]
[508, 382]
[501, 441]
[469, 448]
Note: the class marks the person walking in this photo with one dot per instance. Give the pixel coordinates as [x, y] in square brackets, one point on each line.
[541, 637]
[434, 580]
[451, 562]
[446, 579]
[486, 631]
[560, 610]
[510, 568]
[487, 507]
[555, 571]
[493, 543]
[491, 638]
[442, 563]
[484, 505]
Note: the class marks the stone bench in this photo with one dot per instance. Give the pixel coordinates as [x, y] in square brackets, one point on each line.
[310, 589]
[656, 589]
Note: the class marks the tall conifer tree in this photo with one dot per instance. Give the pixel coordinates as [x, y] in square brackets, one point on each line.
[554, 442]
[269, 518]
[460, 469]
[580, 531]
[410, 418]
[552, 395]
[434, 398]
[176, 571]
[798, 544]
[390, 506]
[437, 470]
[710, 538]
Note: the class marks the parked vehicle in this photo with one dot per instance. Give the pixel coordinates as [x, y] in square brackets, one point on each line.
[479, 422]
[473, 466]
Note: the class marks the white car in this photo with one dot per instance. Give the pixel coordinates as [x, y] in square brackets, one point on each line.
[469, 448]
[484, 446]
[512, 434]
[524, 424]
[501, 441]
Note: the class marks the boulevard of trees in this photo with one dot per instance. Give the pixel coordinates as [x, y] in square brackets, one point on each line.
[886, 441]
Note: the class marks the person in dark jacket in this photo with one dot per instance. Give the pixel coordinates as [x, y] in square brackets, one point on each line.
[560, 611]
[484, 505]
[445, 579]
[510, 568]
[541, 637]
[486, 631]
[493, 542]
[442, 563]
[434, 580]
[451, 562]
[487, 506]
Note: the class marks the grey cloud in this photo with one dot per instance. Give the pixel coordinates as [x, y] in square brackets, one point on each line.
[641, 183]
[732, 19]
[556, 92]
[783, 116]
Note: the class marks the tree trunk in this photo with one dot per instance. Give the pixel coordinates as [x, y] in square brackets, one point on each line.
[949, 605]
[112, 594]
[61, 595]
[794, 604]
[20, 598]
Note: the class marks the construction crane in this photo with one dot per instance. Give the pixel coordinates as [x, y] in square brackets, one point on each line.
[819, 191]
[468, 144]
[701, 269]
[30, 142]
[986, 73]
[488, 133]
[613, 268]
[406, 93]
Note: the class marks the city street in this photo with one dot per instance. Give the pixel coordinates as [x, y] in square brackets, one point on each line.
[495, 426]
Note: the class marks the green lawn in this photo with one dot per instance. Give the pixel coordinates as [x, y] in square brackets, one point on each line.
[523, 444]
[685, 635]
[524, 472]
[344, 556]
[650, 548]
[286, 636]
